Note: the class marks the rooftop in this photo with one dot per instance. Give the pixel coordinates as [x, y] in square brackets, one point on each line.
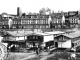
[18, 33]
[25, 33]
[40, 34]
[73, 35]
[55, 32]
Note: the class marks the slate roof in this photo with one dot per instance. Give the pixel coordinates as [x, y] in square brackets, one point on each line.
[18, 33]
[55, 32]
[73, 35]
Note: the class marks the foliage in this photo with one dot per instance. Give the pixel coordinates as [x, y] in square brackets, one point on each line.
[44, 10]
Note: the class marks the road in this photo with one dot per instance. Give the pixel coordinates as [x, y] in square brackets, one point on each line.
[26, 56]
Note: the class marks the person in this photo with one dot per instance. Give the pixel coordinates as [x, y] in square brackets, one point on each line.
[37, 50]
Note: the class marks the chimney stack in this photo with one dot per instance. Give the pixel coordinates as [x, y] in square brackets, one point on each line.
[19, 12]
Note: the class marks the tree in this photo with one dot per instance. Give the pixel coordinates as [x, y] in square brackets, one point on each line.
[4, 14]
[45, 11]
[23, 15]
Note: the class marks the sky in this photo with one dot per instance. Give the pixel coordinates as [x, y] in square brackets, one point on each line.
[10, 6]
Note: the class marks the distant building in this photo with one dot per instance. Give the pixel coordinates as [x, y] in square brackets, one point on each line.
[35, 21]
[40, 21]
[71, 39]
[4, 23]
[72, 13]
[17, 23]
[31, 22]
[73, 21]
[58, 20]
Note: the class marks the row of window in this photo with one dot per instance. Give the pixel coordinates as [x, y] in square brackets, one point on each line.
[31, 26]
[31, 22]
[34, 22]
[15, 22]
[33, 37]
[73, 21]
[36, 16]
[3, 23]
[60, 21]
[57, 21]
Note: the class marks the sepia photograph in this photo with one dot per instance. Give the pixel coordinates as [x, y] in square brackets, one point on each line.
[39, 30]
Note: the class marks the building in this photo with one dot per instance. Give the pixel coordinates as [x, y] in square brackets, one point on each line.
[59, 20]
[16, 23]
[24, 39]
[67, 41]
[31, 22]
[73, 21]
[4, 20]
[73, 18]
[40, 21]
[72, 13]
[4, 23]
[27, 22]
[56, 20]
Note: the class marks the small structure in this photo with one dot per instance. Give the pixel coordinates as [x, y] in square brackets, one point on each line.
[55, 34]
[16, 38]
[39, 38]
[26, 39]
[70, 40]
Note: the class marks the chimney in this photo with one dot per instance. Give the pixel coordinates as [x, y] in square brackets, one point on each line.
[18, 11]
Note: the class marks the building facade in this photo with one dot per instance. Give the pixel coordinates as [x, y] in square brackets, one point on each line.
[57, 20]
[41, 21]
[71, 19]
[4, 23]
[31, 22]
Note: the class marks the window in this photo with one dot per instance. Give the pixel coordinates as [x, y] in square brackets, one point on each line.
[46, 21]
[35, 16]
[47, 26]
[14, 27]
[41, 16]
[33, 37]
[29, 16]
[36, 21]
[36, 37]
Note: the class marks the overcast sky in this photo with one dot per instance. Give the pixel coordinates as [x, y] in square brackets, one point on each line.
[10, 6]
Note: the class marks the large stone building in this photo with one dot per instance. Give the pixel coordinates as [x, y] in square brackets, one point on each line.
[31, 22]
[39, 21]
[56, 20]
[4, 23]
[65, 19]
[73, 18]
